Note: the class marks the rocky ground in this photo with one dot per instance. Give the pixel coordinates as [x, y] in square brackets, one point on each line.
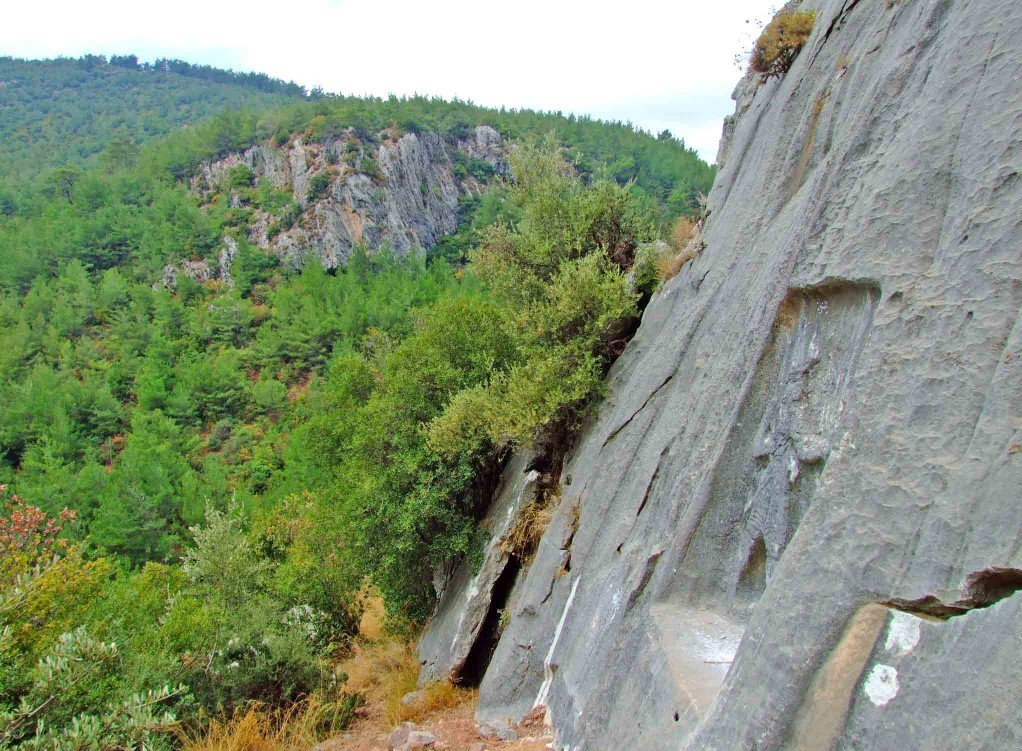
[451, 730]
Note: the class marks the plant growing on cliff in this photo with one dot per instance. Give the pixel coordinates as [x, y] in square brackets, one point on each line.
[369, 166]
[318, 185]
[780, 42]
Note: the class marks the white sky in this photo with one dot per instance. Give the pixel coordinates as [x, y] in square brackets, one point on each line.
[657, 63]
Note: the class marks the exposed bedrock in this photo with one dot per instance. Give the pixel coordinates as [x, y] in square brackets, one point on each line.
[409, 204]
[464, 629]
[795, 521]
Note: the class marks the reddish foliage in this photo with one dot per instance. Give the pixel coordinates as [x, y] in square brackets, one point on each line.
[29, 532]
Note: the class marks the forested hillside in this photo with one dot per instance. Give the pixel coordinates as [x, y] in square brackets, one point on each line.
[94, 111]
[203, 477]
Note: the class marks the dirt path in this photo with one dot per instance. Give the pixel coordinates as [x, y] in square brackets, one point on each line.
[455, 730]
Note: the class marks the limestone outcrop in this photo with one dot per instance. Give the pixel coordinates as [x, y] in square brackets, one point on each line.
[403, 192]
[794, 522]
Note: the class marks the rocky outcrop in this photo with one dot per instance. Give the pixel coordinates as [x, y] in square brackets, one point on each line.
[794, 522]
[408, 201]
[464, 628]
[200, 270]
[485, 143]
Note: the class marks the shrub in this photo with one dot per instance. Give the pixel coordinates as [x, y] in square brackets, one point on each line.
[780, 42]
[240, 176]
[55, 715]
[318, 185]
[269, 653]
[371, 167]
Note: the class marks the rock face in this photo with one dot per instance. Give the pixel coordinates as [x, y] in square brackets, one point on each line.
[798, 509]
[465, 626]
[201, 271]
[410, 204]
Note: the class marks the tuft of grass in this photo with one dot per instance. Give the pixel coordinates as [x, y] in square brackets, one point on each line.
[780, 43]
[686, 241]
[522, 539]
[682, 232]
[256, 728]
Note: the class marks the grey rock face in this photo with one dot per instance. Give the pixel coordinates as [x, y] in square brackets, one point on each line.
[200, 270]
[465, 622]
[485, 143]
[799, 507]
[409, 207]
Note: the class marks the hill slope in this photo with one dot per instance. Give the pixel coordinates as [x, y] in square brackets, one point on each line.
[68, 111]
[278, 354]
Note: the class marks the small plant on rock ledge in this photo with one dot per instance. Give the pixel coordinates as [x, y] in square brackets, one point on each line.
[780, 43]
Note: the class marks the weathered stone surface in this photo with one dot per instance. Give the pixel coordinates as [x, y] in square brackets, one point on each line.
[409, 207]
[399, 736]
[816, 434]
[413, 698]
[485, 143]
[467, 617]
[418, 739]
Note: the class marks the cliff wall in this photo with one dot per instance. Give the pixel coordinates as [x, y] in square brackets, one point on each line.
[401, 190]
[795, 521]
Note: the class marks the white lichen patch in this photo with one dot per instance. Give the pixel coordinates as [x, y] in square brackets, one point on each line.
[903, 634]
[881, 684]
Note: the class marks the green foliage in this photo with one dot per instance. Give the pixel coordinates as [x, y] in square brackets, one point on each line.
[780, 42]
[369, 166]
[244, 457]
[91, 112]
[318, 185]
[240, 620]
[240, 176]
[408, 437]
[64, 709]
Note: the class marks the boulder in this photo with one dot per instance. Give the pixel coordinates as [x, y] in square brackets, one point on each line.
[418, 739]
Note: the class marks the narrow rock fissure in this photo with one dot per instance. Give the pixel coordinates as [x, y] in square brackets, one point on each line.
[471, 673]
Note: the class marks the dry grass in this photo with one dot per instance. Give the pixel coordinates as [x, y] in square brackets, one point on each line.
[682, 233]
[686, 240]
[385, 672]
[256, 729]
[370, 628]
[780, 42]
[382, 670]
[522, 539]
[437, 697]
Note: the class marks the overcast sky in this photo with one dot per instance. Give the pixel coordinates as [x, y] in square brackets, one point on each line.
[657, 63]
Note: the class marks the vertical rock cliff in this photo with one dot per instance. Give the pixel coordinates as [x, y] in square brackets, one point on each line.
[795, 521]
[408, 199]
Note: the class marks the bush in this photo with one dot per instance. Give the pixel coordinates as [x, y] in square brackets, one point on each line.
[318, 185]
[780, 42]
[269, 653]
[371, 167]
[239, 176]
